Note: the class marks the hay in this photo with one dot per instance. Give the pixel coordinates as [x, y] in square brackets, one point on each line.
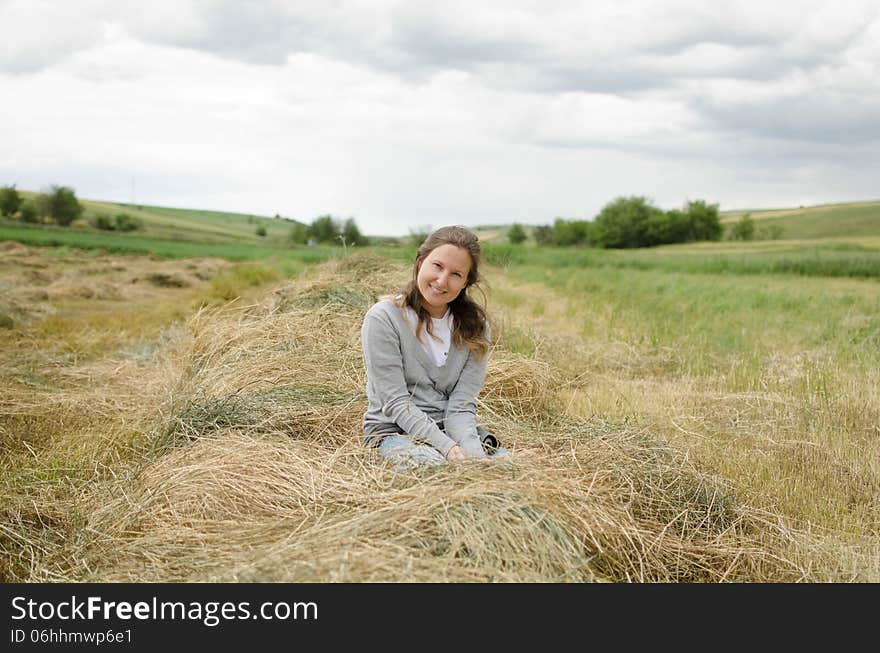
[266, 507]
[164, 280]
[253, 470]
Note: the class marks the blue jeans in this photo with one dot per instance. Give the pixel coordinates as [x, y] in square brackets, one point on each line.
[404, 452]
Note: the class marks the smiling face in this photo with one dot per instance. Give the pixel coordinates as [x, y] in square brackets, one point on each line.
[442, 276]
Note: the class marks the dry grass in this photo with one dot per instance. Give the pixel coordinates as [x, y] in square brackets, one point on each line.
[83, 371]
[795, 435]
[261, 506]
[239, 459]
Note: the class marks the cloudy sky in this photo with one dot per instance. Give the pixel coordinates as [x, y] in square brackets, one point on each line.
[411, 114]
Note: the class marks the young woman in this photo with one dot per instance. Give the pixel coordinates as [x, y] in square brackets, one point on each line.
[425, 351]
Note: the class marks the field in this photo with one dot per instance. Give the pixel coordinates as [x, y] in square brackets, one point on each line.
[845, 221]
[192, 226]
[702, 413]
[855, 219]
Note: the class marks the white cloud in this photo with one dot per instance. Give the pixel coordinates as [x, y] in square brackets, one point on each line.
[35, 34]
[403, 113]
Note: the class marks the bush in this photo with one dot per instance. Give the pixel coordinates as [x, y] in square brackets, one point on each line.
[29, 212]
[126, 222]
[298, 234]
[101, 221]
[543, 234]
[666, 228]
[633, 222]
[624, 223]
[61, 205]
[121, 222]
[573, 232]
[516, 234]
[261, 231]
[325, 229]
[703, 221]
[743, 229]
[10, 201]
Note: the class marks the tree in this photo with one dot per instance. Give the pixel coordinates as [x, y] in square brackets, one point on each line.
[703, 221]
[543, 234]
[666, 228]
[325, 229]
[743, 229]
[298, 234]
[624, 223]
[584, 232]
[62, 206]
[516, 234]
[351, 235]
[10, 201]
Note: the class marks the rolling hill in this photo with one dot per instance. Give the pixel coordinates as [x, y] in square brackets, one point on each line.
[823, 221]
[195, 225]
[851, 220]
[166, 228]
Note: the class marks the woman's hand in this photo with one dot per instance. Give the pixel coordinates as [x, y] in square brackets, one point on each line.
[455, 454]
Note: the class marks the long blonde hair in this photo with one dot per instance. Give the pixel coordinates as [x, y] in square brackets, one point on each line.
[470, 321]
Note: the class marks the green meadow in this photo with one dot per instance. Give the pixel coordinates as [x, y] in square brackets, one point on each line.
[138, 242]
[178, 224]
[847, 220]
[820, 258]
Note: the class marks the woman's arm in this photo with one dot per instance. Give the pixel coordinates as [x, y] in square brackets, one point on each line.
[460, 421]
[383, 356]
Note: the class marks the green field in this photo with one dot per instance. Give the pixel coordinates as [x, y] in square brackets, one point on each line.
[846, 221]
[834, 239]
[821, 258]
[149, 241]
[852, 220]
[211, 227]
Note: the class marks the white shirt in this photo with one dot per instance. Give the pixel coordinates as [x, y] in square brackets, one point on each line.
[437, 344]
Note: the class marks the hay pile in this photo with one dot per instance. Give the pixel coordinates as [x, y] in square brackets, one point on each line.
[32, 280]
[253, 470]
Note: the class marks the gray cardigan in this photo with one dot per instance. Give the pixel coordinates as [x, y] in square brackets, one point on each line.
[408, 393]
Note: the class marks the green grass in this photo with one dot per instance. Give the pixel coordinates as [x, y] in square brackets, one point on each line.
[237, 281]
[857, 219]
[733, 326]
[219, 223]
[139, 243]
[820, 258]
[164, 223]
[846, 220]
[711, 319]
[178, 232]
